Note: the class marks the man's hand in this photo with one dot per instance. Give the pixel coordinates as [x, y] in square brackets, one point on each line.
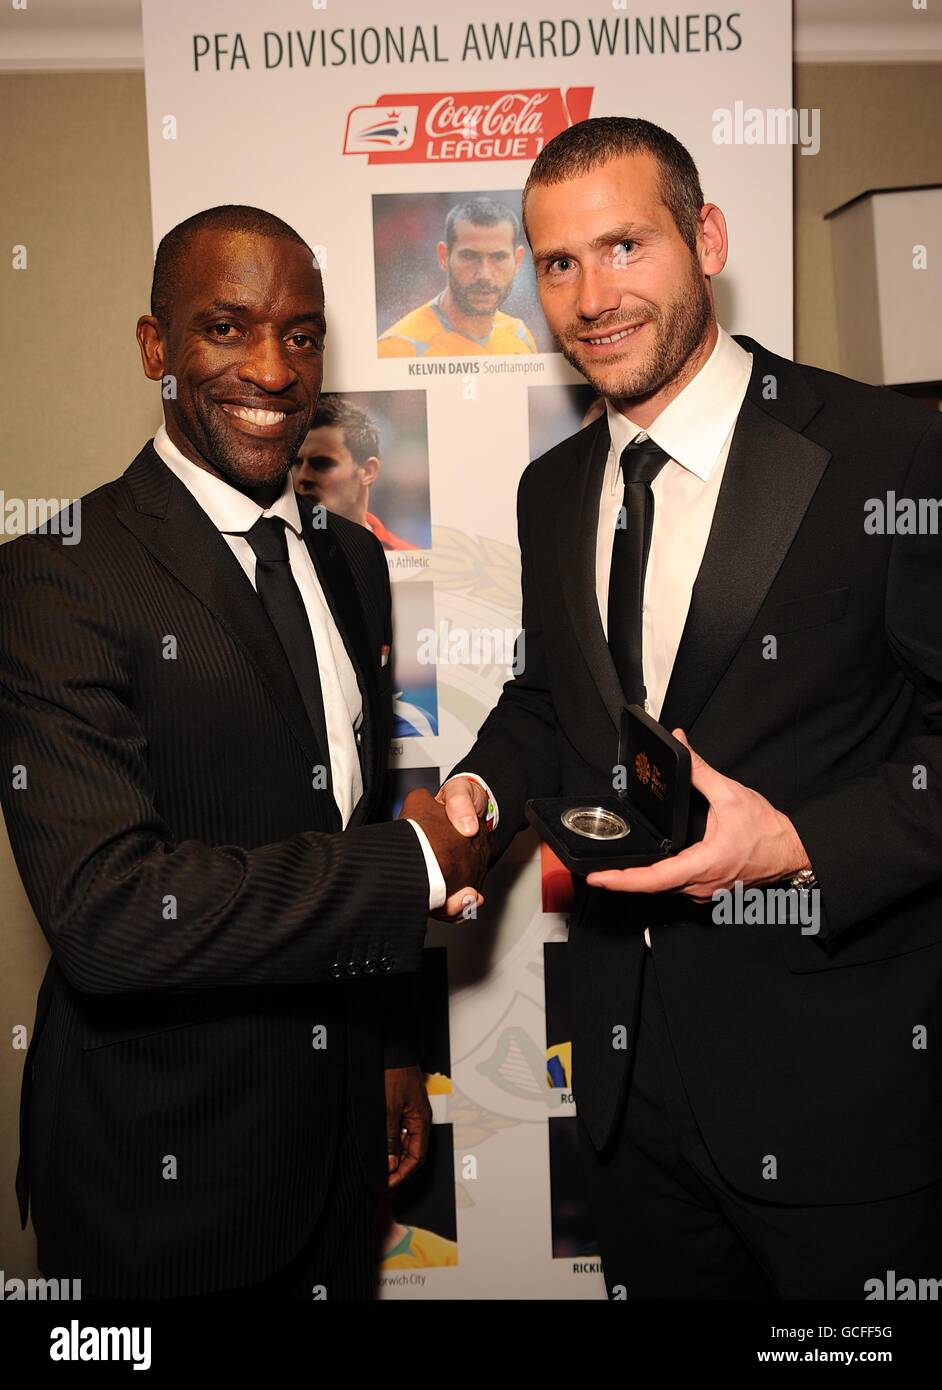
[746, 839]
[462, 856]
[408, 1122]
[465, 801]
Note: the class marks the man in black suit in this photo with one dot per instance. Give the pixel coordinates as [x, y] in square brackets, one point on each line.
[760, 1106]
[196, 709]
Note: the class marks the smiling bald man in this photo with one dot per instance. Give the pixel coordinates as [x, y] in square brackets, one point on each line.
[201, 693]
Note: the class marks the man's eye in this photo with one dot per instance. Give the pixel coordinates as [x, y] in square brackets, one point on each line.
[305, 340]
[219, 329]
[622, 250]
[560, 265]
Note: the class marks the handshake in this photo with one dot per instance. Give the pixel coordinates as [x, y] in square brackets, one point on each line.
[460, 840]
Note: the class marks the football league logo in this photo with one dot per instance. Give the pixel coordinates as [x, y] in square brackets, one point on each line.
[446, 127]
[372, 128]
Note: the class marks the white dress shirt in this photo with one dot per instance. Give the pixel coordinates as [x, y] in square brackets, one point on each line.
[695, 430]
[233, 513]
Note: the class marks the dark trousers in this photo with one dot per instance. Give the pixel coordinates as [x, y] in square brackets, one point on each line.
[669, 1227]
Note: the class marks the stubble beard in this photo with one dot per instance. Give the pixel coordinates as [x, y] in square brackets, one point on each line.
[467, 306]
[678, 331]
[247, 463]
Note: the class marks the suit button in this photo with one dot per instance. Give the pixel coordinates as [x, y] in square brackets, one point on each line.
[369, 967]
[353, 967]
[386, 964]
[359, 736]
[335, 970]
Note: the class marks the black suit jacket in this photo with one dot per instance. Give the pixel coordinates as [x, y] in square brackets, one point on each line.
[800, 1047]
[205, 914]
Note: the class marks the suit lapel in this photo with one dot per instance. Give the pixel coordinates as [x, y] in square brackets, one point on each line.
[771, 474]
[179, 534]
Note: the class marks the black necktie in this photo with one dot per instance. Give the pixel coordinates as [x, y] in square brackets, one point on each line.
[281, 597]
[640, 463]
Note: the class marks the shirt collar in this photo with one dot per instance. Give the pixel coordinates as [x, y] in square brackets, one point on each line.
[228, 509]
[693, 428]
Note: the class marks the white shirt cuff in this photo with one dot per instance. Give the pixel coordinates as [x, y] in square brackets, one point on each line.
[436, 883]
[492, 814]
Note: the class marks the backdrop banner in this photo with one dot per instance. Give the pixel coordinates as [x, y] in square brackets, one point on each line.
[370, 130]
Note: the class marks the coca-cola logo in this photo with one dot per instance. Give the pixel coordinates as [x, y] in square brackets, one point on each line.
[512, 113]
[421, 127]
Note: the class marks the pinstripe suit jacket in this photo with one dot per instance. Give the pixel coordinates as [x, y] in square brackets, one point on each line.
[205, 915]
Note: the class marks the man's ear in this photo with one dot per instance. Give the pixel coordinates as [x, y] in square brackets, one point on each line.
[369, 470]
[518, 258]
[150, 340]
[441, 252]
[712, 240]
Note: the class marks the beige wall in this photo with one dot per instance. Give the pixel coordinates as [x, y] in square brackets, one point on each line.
[880, 127]
[75, 405]
[76, 408]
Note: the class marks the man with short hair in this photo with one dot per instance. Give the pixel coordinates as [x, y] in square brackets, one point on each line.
[758, 1099]
[338, 461]
[199, 696]
[481, 256]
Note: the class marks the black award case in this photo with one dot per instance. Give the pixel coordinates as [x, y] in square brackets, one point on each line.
[652, 813]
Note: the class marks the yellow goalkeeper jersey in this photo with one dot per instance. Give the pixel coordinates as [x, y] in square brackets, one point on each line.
[420, 1249]
[426, 332]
